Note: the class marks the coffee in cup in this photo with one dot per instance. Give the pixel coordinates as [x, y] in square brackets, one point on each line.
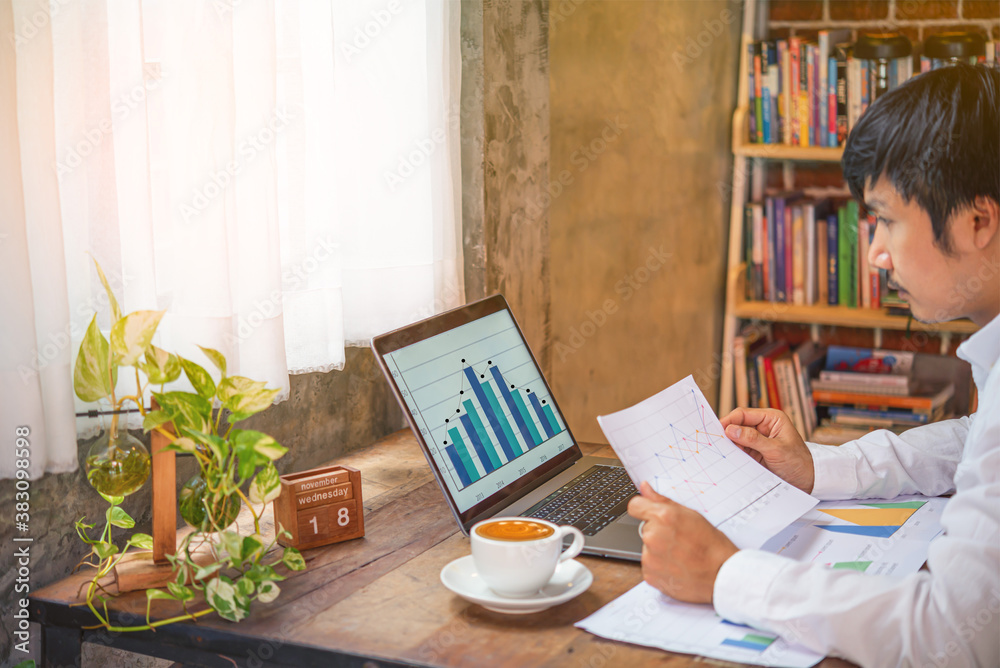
[517, 556]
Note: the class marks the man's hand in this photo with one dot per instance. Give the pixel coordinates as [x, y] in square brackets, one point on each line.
[681, 552]
[767, 435]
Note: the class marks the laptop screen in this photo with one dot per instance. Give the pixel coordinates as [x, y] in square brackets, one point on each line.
[477, 399]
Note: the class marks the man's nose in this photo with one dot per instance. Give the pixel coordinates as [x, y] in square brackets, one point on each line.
[878, 254]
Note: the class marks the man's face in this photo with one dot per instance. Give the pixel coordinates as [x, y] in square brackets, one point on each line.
[904, 245]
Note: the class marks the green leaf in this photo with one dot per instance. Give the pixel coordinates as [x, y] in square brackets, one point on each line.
[221, 595]
[267, 592]
[27, 663]
[182, 444]
[116, 312]
[91, 378]
[245, 587]
[208, 569]
[143, 541]
[232, 544]
[103, 550]
[154, 419]
[180, 592]
[131, 335]
[259, 442]
[113, 500]
[119, 518]
[244, 397]
[262, 572]
[82, 531]
[252, 547]
[200, 380]
[292, 558]
[160, 366]
[186, 410]
[217, 358]
[218, 445]
[154, 594]
[266, 485]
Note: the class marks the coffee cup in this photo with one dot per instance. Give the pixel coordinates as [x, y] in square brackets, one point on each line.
[517, 556]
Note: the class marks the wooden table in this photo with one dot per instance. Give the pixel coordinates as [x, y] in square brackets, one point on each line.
[374, 601]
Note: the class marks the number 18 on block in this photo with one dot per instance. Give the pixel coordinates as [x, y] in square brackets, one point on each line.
[320, 506]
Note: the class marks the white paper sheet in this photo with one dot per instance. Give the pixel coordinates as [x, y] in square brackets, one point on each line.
[644, 616]
[873, 536]
[674, 441]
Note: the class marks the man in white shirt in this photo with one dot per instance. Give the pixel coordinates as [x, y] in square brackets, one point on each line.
[925, 159]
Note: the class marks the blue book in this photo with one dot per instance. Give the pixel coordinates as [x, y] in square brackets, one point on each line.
[831, 95]
[765, 92]
[780, 294]
[751, 95]
[769, 216]
[900, 416]
[832, 235]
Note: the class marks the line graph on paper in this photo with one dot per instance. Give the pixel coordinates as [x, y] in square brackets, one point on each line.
[674, 441]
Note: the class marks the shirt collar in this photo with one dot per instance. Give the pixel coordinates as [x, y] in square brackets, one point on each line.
[981, 350]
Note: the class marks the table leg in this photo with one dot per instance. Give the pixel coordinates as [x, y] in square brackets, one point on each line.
[61, 646]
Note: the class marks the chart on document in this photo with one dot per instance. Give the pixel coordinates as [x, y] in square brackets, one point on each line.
[481, 403]
[644, 616]
[871, 536]
[674, 441]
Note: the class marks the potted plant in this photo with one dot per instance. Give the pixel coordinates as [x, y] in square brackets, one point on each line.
[239, 568]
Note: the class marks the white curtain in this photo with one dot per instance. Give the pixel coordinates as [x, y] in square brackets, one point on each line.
[282, 176]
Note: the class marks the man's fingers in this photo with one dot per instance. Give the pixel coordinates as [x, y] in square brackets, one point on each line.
[647, 491]
[749, 417]
[648, 504]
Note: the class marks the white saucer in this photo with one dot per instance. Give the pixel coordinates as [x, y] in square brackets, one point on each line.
[569, 581]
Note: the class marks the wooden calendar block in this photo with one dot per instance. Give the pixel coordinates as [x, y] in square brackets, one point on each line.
[320, 506]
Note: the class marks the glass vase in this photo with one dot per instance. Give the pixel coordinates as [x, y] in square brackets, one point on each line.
[117, 464]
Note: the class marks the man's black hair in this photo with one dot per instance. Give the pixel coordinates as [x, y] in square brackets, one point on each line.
[936, 138]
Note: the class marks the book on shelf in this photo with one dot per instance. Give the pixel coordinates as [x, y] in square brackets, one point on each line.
[869, 360]
[924, 399]
[807, 359]
[858, 416]
[806, 248]
[804, 92]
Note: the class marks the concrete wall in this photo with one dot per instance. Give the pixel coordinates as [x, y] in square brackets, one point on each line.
[516, 161]
[640, 104]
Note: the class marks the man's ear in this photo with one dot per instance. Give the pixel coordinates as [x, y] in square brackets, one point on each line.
[985, 221]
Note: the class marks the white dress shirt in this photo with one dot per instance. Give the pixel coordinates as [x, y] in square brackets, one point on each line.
[947, 615]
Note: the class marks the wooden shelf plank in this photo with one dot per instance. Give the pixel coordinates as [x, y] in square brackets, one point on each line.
[843, 316]
[785, 152]
[777, 151]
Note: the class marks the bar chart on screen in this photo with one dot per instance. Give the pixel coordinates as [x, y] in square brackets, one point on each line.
[513, 428]
[481, 405]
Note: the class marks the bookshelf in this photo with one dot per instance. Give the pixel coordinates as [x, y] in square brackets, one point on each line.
[748, 162]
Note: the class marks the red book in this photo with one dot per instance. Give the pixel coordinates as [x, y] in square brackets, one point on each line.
[793, 55]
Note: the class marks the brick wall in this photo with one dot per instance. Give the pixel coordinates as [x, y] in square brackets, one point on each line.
[917, 19]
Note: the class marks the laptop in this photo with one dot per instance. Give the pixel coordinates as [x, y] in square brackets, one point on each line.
[493, 433]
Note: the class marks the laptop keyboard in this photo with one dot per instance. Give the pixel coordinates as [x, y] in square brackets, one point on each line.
[591, 501]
